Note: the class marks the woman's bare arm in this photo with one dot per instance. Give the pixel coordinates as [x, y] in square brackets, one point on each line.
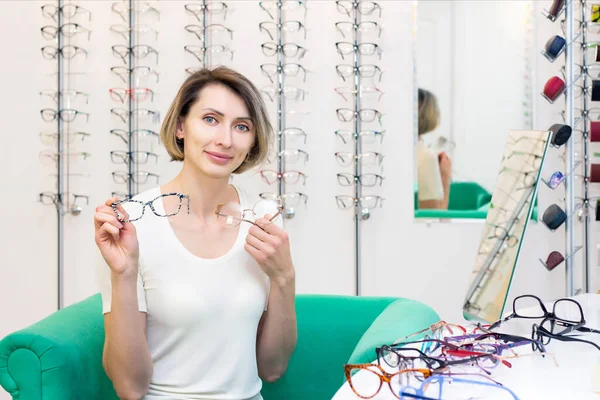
[126, 357]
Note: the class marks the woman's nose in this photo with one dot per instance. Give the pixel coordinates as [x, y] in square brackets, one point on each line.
[224, 137]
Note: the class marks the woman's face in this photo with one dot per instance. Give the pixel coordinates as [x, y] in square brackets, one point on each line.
[217, 132]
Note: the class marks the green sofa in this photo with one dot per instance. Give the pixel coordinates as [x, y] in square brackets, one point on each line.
[60, 357]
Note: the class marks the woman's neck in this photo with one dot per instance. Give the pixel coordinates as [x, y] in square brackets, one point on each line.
[205, 192]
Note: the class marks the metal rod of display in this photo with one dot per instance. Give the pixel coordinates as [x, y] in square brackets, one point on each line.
[280, 100]
[357, 150]
[569, 103]
[132, 139]
[60, 161]
[586, 204]
[204, 52]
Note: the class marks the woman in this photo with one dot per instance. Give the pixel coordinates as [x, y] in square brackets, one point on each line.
[434, 170]
[185, 308]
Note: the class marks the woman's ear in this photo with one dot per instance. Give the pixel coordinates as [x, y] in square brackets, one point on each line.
[179, 131]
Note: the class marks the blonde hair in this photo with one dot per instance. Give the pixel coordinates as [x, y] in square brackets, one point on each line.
[429, 112]
[189, 93]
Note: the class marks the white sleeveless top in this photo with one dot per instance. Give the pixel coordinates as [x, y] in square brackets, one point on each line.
[202, 314]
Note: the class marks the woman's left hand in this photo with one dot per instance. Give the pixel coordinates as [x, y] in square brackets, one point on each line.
[270, 246]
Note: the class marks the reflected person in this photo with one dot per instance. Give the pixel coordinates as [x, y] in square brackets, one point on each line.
[434, 170]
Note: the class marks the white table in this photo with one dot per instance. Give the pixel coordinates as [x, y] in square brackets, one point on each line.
[577, 376]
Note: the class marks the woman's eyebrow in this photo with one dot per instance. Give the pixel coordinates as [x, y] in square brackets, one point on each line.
[222, 114]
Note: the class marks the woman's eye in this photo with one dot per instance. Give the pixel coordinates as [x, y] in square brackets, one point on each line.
[210, 119]
[243, 128]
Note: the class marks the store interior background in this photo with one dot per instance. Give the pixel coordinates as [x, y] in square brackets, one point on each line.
[429, 261]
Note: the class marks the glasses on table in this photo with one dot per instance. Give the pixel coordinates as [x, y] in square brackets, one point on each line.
[288, 177]
[366, 380]
[129, 210]
[566, 313]
[233, 214]
[544, 332]
[439, 386]
[136, 177]
[67, 30]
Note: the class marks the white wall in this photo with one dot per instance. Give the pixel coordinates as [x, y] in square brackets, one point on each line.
[401, 257]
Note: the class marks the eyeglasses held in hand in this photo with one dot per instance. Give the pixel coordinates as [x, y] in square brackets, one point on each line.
[129, 210]
[232, 214]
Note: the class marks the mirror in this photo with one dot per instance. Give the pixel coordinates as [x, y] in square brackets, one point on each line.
[474, 82]
[510, 210]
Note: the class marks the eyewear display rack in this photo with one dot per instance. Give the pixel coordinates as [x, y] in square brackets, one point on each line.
[132, 142]
[573, 41]
[280, 105]
[585, 141]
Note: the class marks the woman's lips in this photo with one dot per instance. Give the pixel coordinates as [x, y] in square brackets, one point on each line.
[218, 158]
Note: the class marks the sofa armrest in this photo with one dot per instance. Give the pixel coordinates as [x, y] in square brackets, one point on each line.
[329, 326]
[61, 354]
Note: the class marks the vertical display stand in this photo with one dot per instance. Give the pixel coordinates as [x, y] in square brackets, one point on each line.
[131, 187]
[204, 44]
[280, 104]
[357, 152]
[60, 159]
[586, 158]
[569, 149]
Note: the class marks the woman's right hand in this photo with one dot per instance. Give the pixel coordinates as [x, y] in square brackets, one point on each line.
[445, 166]
[116, 240]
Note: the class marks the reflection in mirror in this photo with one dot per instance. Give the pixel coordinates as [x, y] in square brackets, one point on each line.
[510, 210]
[474, 84]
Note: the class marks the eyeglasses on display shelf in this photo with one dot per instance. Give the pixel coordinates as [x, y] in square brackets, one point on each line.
[211, 37]
[284, 33]
[136, 33]
[66, 34]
